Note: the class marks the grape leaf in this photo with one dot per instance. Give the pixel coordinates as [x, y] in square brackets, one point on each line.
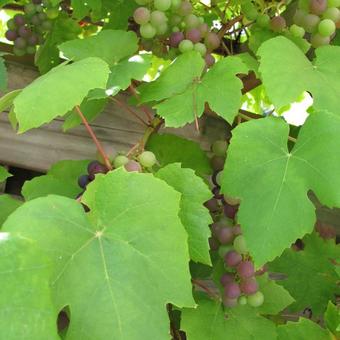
[132, 238]
[302, 330]
[109, 45]
[61, 179]
[264, 174]
[171, 149]
[6, 101]
[286, 73]
[194, 216]
[4, 174]
[220, 88]
[26, 309]
[58, 91]
[119, 13]
[314, 264]
[8, 205]
[82, 8]
[332, 318]
[3, 75]
[174, 79]
[208, 321]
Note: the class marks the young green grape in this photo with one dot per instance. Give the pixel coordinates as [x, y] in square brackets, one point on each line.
[242, 300]
[186, 46]
[141, 15]
[162, 5]
[158, 18]
[185, 8]
[52, 12]
[263, 20]
[326, 27]
[297, 31]
[175, 4]
[119, 161]
[201, 49]
[240, 245]
[332, 13]
[219, 148]
[191, 21]
[255, 300]
[333, 3]
[147, 159]
[147, 31]
[310, 23]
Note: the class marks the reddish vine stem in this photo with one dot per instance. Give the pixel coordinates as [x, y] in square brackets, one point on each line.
[143, 107]
[228, 25]
[205, 288]
[94, 138]
[127, 109]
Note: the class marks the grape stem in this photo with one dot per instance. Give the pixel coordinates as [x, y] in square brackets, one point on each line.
[205, 288]
[228, 25]
[94, 138]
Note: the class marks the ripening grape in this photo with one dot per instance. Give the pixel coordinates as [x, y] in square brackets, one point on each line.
[242, 300]
[225, 235]
[193, 35]
[119, 161]
[19, 52]
[237, 230]
[175, 4]
[132, 165]
[11, 35]
[317, 6]
[162, 5]
[147, 159]
[232, 258]
[278, 23]
[255, 300]
[162, 28]
[157, 18]
[326, 27]
[212, 205]
[217, 163]
[204, 29]
[263, 20]
[332, 13]
[95, 168]
[176, 38]
[83, 181]
[318, 40]
[310, 22]
[186, 46]
[200, 48]
[191, 21]
[299, 17]
[24, 32]
[240, 245]
[232, 290]
[20, 43]
[210, 61]
[297, 31]
[212, 41]
[147, 31]
[19, 20]
[185, 8]
[219, 148]
[141, 15]
[32, 40]
[249, 286]
[245, 269]
[227, 302]
[227, 278]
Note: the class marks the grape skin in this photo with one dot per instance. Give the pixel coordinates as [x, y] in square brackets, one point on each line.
[212, 41]
[326, 27]
[176, 38]
[194, 35]
[141, 15]
[132, 165]
[255, 300]
[147, 31]
[278, 23]
[147, 159]
[245, 269]
[249, 286]
[232, 290]
[232, 258]
[186, 46]
[317, 6]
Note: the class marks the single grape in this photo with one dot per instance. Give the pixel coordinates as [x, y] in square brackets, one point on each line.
[186, 46]
[185, 8]
[161, 30]
[225, 235]
[132, 165]
[24, 32]
[232, 200]
[157, 18]
[191, 21]
[20, 43]
[229, 302]
[318, 40]
[200, 48]
[326, 27]
[240, 245]
[255, 300]
[215, 227]
[299, 17]
[29, 9]
[30, 49]
[19, 51]
[232, 258]
[332, 13]
[95, 168]
[249, 286]
[245, 269]
[42, 16]
[52, 12]
[141, 15]
[278, 23]
[19, 20]
[212, 205]
[263, 20]
[219, 148]
[193, 35]
[213, 244]
[297, 31]
[32, 40]
[217, 163]
[147, 159]
[83, 181]
[204, 29]
[11, 35]
[210, 61]
[230, 211]
[223, 249]
[119, 161]
[39, 8]
[176, 38]
[317, 6]
[232, 290]
[212, 41]
[237, 230]
[162, 5]
[227, 278]
[310, 23]
[242, 300]
[219, 178]
[175, 4]
[147, 31]
[35, 20]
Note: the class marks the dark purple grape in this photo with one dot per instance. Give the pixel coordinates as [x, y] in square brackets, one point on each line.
[11, 35]
[227, 278]
[176, 38]
[94, 168]
[225, 235]
[217, 163]
[24, 32]
[237, 230]
[212, 205]
[20, 43]
[83, 181]
[232, 290]
[245, 269]
[249, 286]
[232, 258]
[19, 20]
[32, 40]
[213, 243]
[132, 165]
[229, 302]
[194, 35]
[317, 6]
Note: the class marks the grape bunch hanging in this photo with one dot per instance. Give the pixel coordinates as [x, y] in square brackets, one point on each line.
[176, 27]
[27, 30]
[239, 283]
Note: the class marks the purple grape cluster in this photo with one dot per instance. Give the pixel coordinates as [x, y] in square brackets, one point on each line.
[27, 30]
[173, 27]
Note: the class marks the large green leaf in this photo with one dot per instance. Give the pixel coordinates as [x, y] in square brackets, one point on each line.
[286, 73]
[8, 205]
[58, 91]
[6, 101]
[220, 88]
[171, 149]
[272, 182]
[116, 267]
[82, 8]
[194, 216]
[4, 174]
[119, 13]
[209, 321]
[302, 330]
[314, 264]
[109, 45]
[3, 75]
[61, 179]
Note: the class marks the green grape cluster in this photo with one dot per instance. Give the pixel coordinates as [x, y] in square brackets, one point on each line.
[171, 26]
[27, 30]
[318, 18]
